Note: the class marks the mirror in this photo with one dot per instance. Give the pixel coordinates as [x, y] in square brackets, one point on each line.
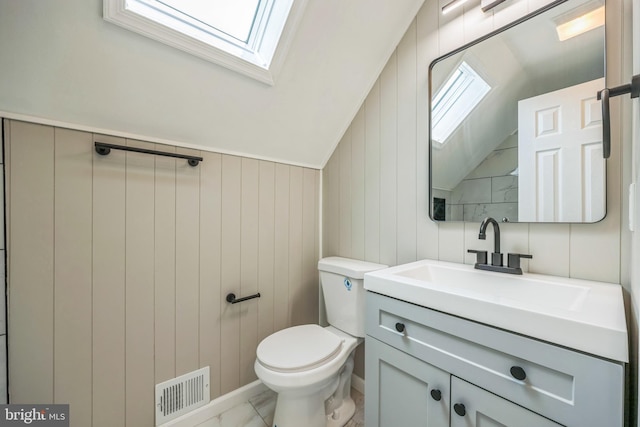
[516, 129]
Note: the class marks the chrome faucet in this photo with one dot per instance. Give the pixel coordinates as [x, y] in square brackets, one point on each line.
[513, 264]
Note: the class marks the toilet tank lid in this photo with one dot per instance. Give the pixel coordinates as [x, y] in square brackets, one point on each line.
[348, 267]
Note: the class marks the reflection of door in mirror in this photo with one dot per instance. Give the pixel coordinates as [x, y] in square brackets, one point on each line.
[561, 169]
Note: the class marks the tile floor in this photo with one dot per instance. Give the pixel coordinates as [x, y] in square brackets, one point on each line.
[258, 412]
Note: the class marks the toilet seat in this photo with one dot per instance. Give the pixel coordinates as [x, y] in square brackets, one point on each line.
[299, 348]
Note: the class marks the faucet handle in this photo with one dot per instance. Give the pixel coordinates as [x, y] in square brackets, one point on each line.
[513, 260]
[481, 256]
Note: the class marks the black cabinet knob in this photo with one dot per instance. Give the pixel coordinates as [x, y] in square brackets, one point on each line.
[400, 327]
[436, 394]
[460, 409]
[518, 373]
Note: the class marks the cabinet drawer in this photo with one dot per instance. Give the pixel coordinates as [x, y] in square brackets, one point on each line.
[480, 405]
[572, 388]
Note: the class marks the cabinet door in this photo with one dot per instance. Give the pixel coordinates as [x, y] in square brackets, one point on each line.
[402, 390]
[472, 406]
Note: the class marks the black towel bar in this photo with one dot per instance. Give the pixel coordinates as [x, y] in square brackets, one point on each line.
[103, 149]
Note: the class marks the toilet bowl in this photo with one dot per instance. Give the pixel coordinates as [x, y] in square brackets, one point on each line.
[305, 366]
[310, 366]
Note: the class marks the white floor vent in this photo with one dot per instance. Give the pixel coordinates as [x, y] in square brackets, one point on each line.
[182, 394]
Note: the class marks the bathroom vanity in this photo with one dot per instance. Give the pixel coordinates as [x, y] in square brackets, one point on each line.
[441, 352]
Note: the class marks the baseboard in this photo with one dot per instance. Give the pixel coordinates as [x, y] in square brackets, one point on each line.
[357, 383]
[218, 405]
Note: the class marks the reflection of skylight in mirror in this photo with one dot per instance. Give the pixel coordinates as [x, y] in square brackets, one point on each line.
[455, 100]
[232, 17]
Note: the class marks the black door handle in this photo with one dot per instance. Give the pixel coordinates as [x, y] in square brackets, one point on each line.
[400, 327]
[460, 409]
[436, 394]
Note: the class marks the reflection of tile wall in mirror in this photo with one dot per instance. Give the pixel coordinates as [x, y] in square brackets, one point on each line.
[499, 211]
[504, 189]
[491, 187]
[472, 191]
[457, 212]
[501, 161]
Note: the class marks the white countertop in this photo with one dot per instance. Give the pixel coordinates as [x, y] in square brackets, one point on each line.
[580, 314]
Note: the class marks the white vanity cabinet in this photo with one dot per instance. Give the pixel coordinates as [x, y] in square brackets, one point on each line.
[406, 391]
[485, 376]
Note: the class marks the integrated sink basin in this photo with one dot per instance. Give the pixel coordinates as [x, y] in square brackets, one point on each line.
[499, 288]
[579, 314]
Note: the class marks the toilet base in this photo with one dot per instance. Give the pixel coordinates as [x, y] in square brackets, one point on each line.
[295, 410]
[343, 414]
[303, 411]
[340, 407]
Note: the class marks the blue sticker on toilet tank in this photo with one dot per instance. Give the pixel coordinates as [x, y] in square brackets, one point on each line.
[347, 283]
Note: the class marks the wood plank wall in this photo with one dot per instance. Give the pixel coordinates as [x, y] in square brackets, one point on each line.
[119, 266]
[375, 184]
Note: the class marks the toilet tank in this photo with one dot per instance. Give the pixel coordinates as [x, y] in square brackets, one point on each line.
[342, 282]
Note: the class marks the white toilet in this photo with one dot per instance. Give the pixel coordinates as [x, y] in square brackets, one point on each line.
[310, 366]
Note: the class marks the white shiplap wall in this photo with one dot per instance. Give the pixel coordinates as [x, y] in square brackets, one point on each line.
[375, 184]
[375, 194]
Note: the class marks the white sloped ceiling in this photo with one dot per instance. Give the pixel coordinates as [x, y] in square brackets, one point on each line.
[61, 61]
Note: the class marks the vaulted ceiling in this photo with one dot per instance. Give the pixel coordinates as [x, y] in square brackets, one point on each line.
[61, 61]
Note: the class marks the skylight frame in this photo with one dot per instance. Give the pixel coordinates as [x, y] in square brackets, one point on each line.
[260, 58]
[464, 83]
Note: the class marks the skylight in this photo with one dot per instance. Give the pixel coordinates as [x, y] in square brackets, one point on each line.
[455, 100]
[231, 17]
[240, 35]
